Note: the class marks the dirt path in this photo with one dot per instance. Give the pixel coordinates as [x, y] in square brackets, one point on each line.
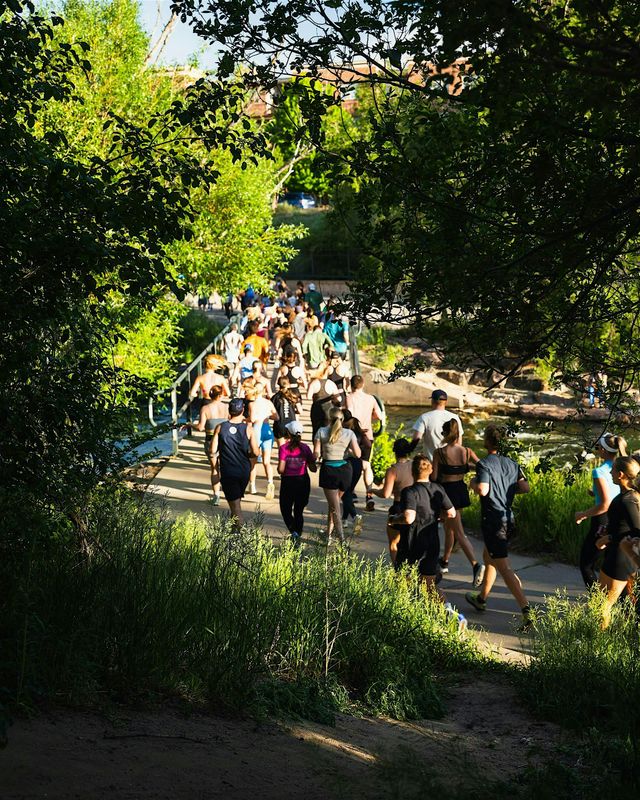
[166, 755]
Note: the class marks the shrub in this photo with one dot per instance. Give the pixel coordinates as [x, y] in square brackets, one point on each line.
[230, 619]
[589, 678]
[376, 344]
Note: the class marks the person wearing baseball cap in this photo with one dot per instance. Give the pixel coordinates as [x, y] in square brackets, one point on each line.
[428, 426]
[295, 459]
[314, 298]
[234, 441]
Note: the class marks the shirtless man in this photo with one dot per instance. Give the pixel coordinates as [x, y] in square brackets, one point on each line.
[365, 409]
[210, 378]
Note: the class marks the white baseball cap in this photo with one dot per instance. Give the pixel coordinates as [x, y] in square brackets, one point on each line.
[294, 427]
[312, 287]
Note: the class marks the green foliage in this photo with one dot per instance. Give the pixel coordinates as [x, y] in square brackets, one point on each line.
[327, 248]
[191, 608]
[234, 243]
[382, 456]
[544, 517]
[149, 348]
[299, 149]
[589, 678]
[381, 352]
[196, 331]
[499, 195]
[85, 226]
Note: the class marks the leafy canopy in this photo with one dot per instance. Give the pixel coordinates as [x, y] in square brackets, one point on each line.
[509, 209]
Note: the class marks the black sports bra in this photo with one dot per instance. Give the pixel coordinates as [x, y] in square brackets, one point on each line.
[451, 469]
[337, 378]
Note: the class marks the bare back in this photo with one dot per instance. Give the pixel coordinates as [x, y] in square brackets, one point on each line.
[455, 457]
[403, 478]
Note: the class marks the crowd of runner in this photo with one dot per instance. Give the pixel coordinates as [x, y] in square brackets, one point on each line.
[293, 345]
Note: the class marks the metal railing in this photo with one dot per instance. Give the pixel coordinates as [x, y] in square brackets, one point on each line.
[186, 377]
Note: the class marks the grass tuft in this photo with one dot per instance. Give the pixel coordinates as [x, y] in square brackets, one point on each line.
[231, 620]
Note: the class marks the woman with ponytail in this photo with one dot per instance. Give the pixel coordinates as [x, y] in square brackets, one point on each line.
[294, 460]
[331, 444]
[451, 463]
[623, 522]
[608, 447]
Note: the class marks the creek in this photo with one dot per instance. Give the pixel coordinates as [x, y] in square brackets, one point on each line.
[560, 441]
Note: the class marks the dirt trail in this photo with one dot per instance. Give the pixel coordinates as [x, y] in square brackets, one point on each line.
[166, 755]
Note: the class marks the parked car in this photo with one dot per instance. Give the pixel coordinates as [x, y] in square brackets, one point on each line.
[298, 199]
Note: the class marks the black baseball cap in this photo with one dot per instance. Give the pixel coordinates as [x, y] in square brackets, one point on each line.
[439, 394]
[236, 406]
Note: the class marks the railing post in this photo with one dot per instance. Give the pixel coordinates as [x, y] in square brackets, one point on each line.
[174, 419]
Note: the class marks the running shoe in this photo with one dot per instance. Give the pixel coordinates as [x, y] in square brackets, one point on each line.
[357, 525]
[271, 492]
[370, 504]
[475, 600]
[526, 625]
[478, 574]
[444, 566]
[215, 500]
[295, 539]
[253, 489]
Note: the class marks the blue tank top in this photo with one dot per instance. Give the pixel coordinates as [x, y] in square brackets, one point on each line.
[233, 448]
[604, 473]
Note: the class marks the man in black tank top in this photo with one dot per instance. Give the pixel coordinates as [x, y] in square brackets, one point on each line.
[234, 442]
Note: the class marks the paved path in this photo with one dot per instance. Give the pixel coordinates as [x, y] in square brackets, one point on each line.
[184, 485]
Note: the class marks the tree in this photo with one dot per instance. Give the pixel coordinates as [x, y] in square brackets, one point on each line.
[234, 243]
[501, 178]
[76, 230]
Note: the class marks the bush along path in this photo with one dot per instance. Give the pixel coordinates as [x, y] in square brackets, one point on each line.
[183, 486]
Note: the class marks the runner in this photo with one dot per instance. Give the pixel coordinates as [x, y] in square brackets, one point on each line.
[259, 411]
[210, 378]
[337, 329]
[212, 415]
[287, 403]
[338, 371]
[623, 523]
[232, 348]
[244, 367]
[233, 441]
[299, 326]
[603, 490]
[294, 460]
[428, 426]
[331, 443]
[349, 512]
[289, 369]
[498, 480]
[315, 343]
[259, 343]
[365, 409]
[314, 298]
[450, 464]
[421, 506]
[326, 398]
[396, 478]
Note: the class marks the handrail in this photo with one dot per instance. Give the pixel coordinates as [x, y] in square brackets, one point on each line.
[354, 355]
[216, 346]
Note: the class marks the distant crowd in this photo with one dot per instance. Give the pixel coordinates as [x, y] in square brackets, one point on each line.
[292, 346]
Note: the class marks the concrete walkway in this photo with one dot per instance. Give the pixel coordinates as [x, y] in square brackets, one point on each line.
[184, 486]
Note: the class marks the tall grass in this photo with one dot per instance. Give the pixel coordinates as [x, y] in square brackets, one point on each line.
[545, 520]
[190, 609]
[589, 678]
